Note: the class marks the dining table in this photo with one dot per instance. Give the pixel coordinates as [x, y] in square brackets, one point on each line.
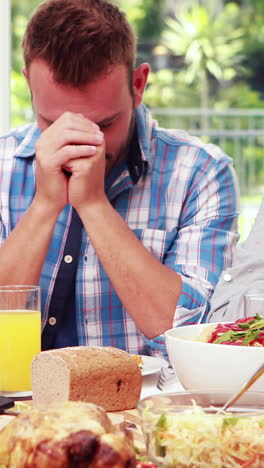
[128, 418]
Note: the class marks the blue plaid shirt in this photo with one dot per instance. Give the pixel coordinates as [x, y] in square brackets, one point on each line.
[179, 197]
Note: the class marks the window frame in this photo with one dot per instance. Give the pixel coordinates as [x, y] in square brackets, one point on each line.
[5, 64]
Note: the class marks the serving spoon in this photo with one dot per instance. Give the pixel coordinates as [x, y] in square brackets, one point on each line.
[243, 389]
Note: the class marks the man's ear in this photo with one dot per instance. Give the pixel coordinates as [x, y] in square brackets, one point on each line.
[140, 78]
[25, 73]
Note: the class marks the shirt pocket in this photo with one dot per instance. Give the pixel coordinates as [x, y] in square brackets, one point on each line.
[156, 241]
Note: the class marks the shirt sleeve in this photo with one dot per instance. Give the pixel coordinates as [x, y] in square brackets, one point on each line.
[206, 236]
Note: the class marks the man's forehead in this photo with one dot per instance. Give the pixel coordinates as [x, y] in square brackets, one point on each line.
[101, 101]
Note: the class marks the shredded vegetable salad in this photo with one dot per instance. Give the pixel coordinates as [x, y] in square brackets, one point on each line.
[244, 332]
[193, 438]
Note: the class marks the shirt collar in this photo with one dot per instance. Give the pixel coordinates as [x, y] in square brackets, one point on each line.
[26, 136]
[145, 129]
[137, 167]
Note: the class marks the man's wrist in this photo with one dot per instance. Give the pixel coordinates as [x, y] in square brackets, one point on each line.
[91, 210]
[44, 211]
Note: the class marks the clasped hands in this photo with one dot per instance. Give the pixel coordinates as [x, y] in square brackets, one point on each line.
[73, 145]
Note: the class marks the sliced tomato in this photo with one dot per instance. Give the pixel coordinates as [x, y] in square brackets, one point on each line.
[222, 328]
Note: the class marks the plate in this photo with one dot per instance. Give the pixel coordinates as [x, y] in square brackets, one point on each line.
[17, 395]
[151, 364]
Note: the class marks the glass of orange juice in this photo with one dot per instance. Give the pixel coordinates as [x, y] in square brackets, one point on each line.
[20, 337]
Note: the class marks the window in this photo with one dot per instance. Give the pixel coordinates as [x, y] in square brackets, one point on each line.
[5, 48]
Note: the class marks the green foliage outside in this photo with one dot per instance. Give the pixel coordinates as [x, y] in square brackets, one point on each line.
[211, 42]
[21, 110]
[249, 209]
[216, 46]
[146, 16]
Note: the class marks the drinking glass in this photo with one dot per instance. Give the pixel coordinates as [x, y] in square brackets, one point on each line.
[254, 304]
[20, 337]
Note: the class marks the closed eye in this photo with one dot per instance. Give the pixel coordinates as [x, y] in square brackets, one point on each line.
[106, 125]
[109, 121]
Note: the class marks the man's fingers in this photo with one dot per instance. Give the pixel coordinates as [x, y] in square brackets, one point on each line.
[70, 137]
[58, 136]
[69, 152]
[75, 137]
[74, 121]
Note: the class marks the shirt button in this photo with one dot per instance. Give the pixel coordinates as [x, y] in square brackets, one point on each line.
[68, 258]
[52, 320]
[227, 277]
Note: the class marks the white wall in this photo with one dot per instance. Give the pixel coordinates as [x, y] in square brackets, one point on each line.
[5, 64]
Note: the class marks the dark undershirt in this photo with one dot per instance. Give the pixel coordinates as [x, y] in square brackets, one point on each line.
[62, 306]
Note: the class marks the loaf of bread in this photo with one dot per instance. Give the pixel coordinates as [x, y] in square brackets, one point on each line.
[106, 376]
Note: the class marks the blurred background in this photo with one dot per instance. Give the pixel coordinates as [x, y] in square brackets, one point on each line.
[207, 61]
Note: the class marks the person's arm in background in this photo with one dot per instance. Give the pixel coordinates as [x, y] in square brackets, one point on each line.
[245, 276]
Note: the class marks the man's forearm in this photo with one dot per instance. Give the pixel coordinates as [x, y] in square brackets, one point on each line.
[148, 290]
[23, 253]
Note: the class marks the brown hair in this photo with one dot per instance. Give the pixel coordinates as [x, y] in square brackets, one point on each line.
[79, 39]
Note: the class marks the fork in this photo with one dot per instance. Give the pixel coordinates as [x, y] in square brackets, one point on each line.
[166, 376]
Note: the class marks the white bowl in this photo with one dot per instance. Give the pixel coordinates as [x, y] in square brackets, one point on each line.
[206, 366]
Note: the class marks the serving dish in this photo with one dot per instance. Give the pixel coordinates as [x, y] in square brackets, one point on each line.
[184, 430]
[208, 366]
[17, 395]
